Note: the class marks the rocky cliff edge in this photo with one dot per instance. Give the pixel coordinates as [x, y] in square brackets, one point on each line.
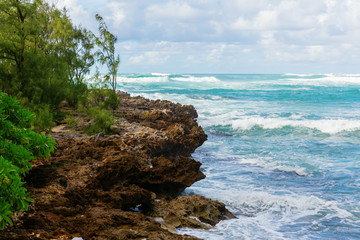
[121, 186]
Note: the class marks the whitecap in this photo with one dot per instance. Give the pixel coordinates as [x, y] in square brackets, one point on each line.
[188, 78]
[302, 74]
[330, 126]
[275, 165]
[264, 214]
[160, 74]
[326, 80]
[121, 79]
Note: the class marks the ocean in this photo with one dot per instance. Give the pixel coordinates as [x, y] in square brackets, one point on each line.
[283, 150]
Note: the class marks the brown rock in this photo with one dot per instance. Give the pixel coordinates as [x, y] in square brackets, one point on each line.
[119, 186]
[191, 211]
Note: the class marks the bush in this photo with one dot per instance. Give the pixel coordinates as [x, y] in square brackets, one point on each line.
[43, 119]
[18, 146]
[112, 101]
[102, 120]
[70, 120]
[99, 106]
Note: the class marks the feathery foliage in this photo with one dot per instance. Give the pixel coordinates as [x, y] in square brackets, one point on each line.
[106, 54]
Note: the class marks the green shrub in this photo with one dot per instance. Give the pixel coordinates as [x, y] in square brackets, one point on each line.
[102, 120]
[43, 118]
[99, 105]
[112, 101]
[70, 120]
[18, 146]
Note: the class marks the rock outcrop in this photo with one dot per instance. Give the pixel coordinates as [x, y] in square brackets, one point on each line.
[122, 186]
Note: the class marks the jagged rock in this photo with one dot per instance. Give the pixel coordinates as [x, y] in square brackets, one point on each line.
[191, 211]
[119, 186]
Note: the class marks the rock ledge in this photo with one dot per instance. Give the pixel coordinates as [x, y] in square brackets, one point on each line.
[123, 186]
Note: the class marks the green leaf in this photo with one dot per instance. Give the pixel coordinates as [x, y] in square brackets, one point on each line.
[18, 146]
[8, 220]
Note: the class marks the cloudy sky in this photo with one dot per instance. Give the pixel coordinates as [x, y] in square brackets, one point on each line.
[229, 36]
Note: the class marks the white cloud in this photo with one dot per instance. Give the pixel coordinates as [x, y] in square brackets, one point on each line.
[172, 10]
[115, 14]
[214, 20]
[268, 39]
[149, 58]
[246, 6]
[216, 54]
[77, 12]
[286, 15]
[327, 54]
[241, 24]
[174, 32]
[266, 20]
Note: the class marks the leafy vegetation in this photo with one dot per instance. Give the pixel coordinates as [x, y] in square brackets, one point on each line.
[97, 107]
[18, 146]
[102, 120]
[44, 58]
[106, 54]
[44, 61]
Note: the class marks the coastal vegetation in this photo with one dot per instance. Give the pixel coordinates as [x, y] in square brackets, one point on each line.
[18, 146]
[44, 62]
[116, 181]
[106, 54]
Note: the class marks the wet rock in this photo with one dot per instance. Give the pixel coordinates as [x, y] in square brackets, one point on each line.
[191, 211]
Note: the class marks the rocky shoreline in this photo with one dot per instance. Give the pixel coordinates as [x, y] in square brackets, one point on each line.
[121, 186]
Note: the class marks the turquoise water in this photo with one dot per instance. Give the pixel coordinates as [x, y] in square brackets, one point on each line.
[283, 151]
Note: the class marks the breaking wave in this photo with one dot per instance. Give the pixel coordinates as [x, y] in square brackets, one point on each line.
[330, 126]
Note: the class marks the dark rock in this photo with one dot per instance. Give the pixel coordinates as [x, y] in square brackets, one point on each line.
[63, 182]
[117, 186]
[191, 211]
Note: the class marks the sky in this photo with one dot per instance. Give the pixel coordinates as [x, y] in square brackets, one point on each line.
[228, 36]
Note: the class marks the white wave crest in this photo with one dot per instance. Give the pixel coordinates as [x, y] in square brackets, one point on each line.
[260, 202]
[268, 163]
[302, 74]
[160, 74]
[330, 126]
[188, 78]
[326, 80]
[141, 79]
[323, 74]
[276, 166]
[262, 213]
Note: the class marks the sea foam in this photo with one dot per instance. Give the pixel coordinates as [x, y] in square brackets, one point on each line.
[188, 78]
[326, 80]
[160, 74]
[282, 150]
[263, 214]
[275, 165]
[330, 126]
[121, 79]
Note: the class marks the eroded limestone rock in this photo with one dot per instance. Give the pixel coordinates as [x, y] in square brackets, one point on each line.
[119, 186]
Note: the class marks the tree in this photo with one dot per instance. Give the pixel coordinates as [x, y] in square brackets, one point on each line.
[106, 42]
[80, 60]
[43, 57]
[18, 146]
[17, 27]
